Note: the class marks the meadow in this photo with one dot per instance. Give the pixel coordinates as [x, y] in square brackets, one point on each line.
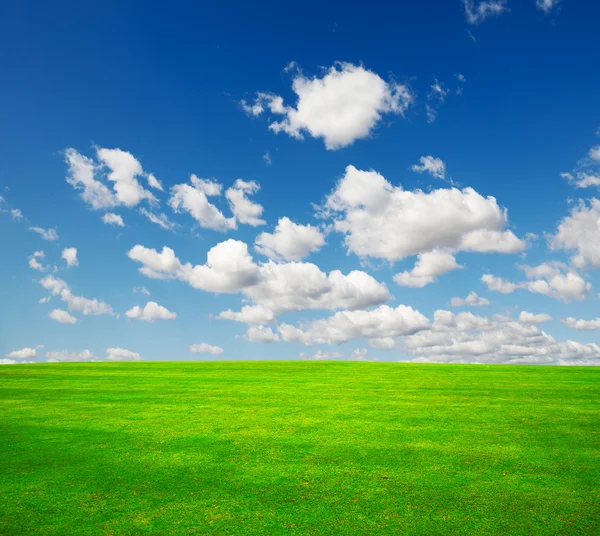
[298, 448]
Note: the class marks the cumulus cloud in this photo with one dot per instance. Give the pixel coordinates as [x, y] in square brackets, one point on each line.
[290, 241]
[35, 264]
[24, 353]
[321, 355]
[121, 354]
[277, 287]
[342, 106]
[434, 166]
[472, 300]
[260, 334]
[81, 175]
[250, 314]
[245, 210]
[530, 318]
[113, 219]
[193, 199]
[58, 287]
[385, 221]
[57, 357]
[70, 256]
[204, 348]
[477, 12]
[552, 279]
[150, 312]
[582, 325]
[62, 316]
[546, 5]
[380, 323]
[46, 234]
[580, 233]
[159, 219]
[428, 267]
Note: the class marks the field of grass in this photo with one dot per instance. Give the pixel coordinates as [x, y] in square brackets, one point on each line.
[298, 448]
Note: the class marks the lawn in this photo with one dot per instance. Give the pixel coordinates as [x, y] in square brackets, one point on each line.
[298, 448]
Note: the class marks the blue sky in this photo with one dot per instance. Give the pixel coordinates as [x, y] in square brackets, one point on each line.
[407, 151]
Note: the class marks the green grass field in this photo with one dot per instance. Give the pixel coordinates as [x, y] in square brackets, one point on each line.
[298, 448]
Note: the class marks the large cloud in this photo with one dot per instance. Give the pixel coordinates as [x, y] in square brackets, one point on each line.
[62, 316]
[290, 241]
[428, 267]
[277, 287]
[24, 353]
[245, 210]
[385, 221]
[582, 325]
[341, 107]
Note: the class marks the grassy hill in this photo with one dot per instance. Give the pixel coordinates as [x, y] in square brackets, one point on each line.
[298, 448]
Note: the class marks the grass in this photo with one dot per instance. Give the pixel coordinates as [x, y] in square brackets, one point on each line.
[298, 448]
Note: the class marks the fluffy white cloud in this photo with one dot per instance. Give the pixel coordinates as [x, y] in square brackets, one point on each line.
[250, 314]
[57, 357]
[260, 334]
[554, 280]
[380, 323]
[204, 348]
[194, 200]
[81, 176]
[477, 12]
[290, 241]
[428, 267]
[245, 210]
[344, 105]
[582, 325]
[472, 300]
[70, 256]
[582, 179]
[277, 287]
[58, 287]
[35, 264]
[62, 316]
[434, 166]
[150, 312]
[159, 219]
[321, 355]
[530, 318]
[24, 353]
[546, 5]
[580, 232]
[120, 354]
[113, 219]
[46, 234]
[385, 221]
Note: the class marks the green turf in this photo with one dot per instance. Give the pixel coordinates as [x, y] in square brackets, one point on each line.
[298, 448]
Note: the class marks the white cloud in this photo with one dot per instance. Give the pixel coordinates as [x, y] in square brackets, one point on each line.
[554, 280]
[530, 318]
[385, 221]
[153, 182]
[260, 334]
[594, 153]
[24, 353]
[383, 322]
[57, 357]
[472, 300]
[194, 200]
[290, 241]
[250, 314]
[277, 287]
[245, 210]
[16, 214]
[344, 105]
[321, 355]
[58, 287]
[582, 325]
[434, 166]
[113, 219]
[70, 256]
[359, 354]
[46, 234]
[428, 267]
[152, 311]
[160, 219]
[34, 262]
[120, 354]
[62, 316]
[141, 290]
[546, 5]
[204, 348]
[477, 12]
[81, 176]
[580, 232]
